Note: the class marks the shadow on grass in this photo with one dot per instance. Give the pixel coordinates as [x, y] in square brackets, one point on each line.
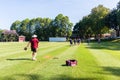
[105, 45]
[30, 76]
[23, 77]
[111, 71]
[13, 59]
[65, 77]
[8, 78]
[39, 77]
[63, 65]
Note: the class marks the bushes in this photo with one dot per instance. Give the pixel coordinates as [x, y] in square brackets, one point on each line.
[9, 35]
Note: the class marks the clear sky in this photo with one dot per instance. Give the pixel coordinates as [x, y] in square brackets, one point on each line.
[12, 10]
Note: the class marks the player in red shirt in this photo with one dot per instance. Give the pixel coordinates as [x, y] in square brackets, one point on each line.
[34, 45]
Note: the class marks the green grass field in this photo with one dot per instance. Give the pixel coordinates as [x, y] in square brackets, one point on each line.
[95, 61]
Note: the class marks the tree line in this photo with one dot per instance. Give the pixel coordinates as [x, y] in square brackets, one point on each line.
[98, 22]
[44, 27]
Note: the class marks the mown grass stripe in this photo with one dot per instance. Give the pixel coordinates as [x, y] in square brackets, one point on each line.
[87, 65]
[90, 66]
[52, 69]
[51, 49]
[20, 50]
[113, 53]
[105, 58]
[107, 63]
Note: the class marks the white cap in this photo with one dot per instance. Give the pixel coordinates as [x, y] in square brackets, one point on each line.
[34, 36]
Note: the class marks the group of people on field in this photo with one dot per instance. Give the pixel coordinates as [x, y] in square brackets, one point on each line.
[34, 44]
[98, 40]
[75, 41]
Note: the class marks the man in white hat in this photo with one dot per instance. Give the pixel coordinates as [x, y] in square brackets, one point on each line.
[34, 45]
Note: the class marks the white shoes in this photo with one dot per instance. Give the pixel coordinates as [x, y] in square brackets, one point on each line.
[34, 59]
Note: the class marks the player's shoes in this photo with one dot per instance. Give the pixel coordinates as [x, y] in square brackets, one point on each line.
[34, 59]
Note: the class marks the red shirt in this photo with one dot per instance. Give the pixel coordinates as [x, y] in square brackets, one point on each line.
[34, 42]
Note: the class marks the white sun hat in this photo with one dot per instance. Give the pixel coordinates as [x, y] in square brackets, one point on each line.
[34, 36]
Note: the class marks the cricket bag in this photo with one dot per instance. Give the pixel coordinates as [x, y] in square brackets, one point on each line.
[71, 62]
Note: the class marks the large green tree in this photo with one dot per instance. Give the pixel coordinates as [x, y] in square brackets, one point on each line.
[44, 27]
[93, 24]
[112, 20]
[97, 17]
[61, 26]
[118, 19]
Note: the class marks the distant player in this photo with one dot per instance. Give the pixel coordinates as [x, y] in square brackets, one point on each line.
[34, 46]
[75, 41]
[88, 41]
[78, 41]
[71, 42]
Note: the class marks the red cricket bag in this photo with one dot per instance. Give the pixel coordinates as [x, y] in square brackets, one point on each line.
[71, 62]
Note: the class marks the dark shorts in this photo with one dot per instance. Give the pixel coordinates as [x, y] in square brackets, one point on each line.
[34, 49]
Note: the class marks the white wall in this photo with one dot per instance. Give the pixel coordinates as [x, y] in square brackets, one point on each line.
[57, 39]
